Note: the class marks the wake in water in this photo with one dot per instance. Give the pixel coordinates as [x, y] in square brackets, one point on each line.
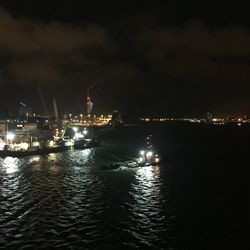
[125, 161]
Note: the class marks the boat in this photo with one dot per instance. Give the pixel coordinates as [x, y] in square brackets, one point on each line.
[40, 151]
[146, 158]
[129, 164]
[59, 147]
[58, 144]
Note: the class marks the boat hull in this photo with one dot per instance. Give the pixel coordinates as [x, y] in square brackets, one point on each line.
[48, 150]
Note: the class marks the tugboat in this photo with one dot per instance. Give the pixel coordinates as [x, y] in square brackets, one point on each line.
[148, 155]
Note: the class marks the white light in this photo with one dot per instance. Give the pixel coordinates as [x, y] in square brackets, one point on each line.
[51, 143]
[85, 131]
[1, 145]
[78, 136]
[10, 136]
[36, 144]
[24, 145]
[141, 159]
[69, 143]
[75, 129]
[149, 154]
[142, 152]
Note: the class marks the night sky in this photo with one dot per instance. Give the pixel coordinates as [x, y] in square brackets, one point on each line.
[140, 57]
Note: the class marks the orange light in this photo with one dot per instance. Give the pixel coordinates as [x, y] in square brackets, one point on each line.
[157, 160]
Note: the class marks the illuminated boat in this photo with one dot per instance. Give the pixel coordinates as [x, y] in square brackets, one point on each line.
[147, 158]
[49, 147]
[46, 150]
[33, 151]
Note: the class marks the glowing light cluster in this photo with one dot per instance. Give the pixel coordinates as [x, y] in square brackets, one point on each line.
[10, 136]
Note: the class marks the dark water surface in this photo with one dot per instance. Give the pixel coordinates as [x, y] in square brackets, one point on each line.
[197, 198]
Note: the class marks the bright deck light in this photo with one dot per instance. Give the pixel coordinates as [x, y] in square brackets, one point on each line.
[10, 136]
[157, 160]
[149, 154]
[142, 152]
[140, 160]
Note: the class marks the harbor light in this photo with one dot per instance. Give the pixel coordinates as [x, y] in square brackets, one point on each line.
[24, 146]
[10, 137]
[78, 136]
[36, 144]
[2, 145]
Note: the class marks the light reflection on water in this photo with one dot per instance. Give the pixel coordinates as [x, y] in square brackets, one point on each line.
[9, 165]
[149, 220]
[65, 200]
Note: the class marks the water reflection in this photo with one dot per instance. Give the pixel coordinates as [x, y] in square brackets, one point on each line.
[9, 165]
[148, 180]
[148, 173]
[64, 200]
[86, 152]
[146, 211]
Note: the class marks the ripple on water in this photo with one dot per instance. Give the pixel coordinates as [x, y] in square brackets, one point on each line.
[63, 200]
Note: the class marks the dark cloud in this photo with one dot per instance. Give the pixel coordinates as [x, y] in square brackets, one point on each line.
[35, 51]
[193, 51]
[139, 56]
[22, 36]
